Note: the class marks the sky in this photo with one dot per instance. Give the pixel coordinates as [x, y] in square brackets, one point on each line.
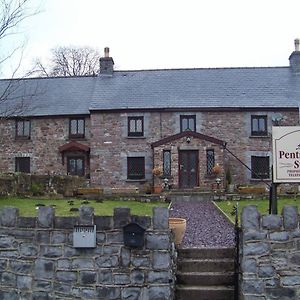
[160, 34]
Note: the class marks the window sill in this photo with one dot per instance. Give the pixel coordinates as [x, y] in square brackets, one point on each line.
[135, 180]
[20, 138]
[260, 136]
[136, 137]
[77, 138]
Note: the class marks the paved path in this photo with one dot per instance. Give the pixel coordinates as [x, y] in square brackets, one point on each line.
[206, 226]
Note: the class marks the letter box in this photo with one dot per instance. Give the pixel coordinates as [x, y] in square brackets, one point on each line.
[134, 235]
[84, 236]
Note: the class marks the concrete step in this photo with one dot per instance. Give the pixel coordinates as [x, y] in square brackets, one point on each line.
[206, 253]
[190, 196]
[206, 278]
[205, 265]
[204, 293]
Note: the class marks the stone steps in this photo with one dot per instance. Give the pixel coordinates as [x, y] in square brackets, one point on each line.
[206, 273]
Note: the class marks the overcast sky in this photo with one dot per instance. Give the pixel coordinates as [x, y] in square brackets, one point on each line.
[144, 34]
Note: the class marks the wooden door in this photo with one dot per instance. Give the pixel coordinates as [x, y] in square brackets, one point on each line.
[188, 168]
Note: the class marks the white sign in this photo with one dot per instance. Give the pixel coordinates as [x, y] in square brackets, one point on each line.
[286, 154]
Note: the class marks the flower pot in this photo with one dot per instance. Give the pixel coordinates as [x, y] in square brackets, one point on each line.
[178, 225]
[157, 189]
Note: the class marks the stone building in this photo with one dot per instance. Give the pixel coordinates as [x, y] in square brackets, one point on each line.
[115, 127]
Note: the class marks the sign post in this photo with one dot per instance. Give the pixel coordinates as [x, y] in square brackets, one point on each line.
[286, 159]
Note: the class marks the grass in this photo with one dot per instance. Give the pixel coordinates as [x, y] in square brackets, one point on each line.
[28, 207]
[262, 205]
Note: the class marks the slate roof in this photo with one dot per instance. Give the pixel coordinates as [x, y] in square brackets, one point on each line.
[266, 87]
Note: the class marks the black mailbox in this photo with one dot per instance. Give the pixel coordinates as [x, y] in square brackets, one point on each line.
[133, 235]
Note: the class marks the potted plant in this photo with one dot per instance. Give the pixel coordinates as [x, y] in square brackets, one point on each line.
[178, 225]
[217, 169]
[157, 173]
[230, 186]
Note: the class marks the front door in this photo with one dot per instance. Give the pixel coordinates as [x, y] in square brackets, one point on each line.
[188, 168]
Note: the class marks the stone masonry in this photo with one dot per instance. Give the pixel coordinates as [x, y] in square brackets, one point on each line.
[270, 255]
[38, 260]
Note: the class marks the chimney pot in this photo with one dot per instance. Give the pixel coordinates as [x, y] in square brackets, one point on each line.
[106, 52]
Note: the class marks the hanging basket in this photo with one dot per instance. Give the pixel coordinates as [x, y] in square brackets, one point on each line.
[178, 225]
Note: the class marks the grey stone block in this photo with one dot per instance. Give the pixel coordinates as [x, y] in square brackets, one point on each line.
[290, 217]
[24, 282]
[121, 217]
[45, 216]
[44, 269]
[256, 235]
[103, 222]
[131, 293]
[121, 278]
[58, 237]
[252, 297]
[157, 241]
[43, 237]
[3, 264]
[252, 287]
[8, 279]
[272, 222]
[86, 215]
[159, 277]
[137, 277]
[26, 222]
[125, 257]
[9, 295]
[143, 221]
[41, 296]
[65, 222]
[112, 249]
[115, 237]
[295, 258]
[64, 264]
[160, 293]
[105, 276]
[279, 236]
[249, 265]
[87, 277]
[266, 271]
[51, 251]
[8, 242]
[21, 267]
[62, 288]
[140, 261]
[87, 293]
[24, 234]
[250, 217]
[107, 261]
[42, 285]
[101, 238]
[66, 276]
[108, 293]
[161, 260]
[160, 218]
[83, 263]
[258, 248]
[281, 293]
[290, 280]
[8, 216]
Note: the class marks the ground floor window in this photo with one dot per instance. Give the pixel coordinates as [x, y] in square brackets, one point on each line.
[210, 161]
[167, 163]
[76, 166]
[22, 164]
[136, 168]
[260, 166]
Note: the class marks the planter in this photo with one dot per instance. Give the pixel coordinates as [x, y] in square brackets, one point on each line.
[251, 190]
[178, 225]
[157, 189]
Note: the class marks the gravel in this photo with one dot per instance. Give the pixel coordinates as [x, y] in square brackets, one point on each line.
[206, 225]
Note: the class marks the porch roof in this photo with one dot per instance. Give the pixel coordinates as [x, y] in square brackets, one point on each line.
[74, 146]
[193, 134]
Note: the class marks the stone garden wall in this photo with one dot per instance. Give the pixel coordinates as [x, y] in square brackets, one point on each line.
[38, 260]
[270, 255]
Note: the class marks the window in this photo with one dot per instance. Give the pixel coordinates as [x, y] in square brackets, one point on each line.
[166, 163]
[22, 164]
[135, 126]
[76, 166]
[136, 168]
[76, 128]
[210, 161]
[259, 125]
[23, 129]
[260, 166]
[188, 123]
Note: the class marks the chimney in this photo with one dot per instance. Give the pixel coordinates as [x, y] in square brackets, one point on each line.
[106, 63]
[295, 57]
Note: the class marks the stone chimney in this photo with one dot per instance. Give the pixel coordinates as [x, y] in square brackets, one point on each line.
[295, 57]
[106, 63]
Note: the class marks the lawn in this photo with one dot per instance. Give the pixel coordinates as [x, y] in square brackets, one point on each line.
[262, 205]
[28, 207]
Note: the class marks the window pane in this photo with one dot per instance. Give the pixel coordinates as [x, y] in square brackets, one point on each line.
[73, 126]
[22, 164]
[26, 128]
[255, 125]
[136, 167]
[135, 126]
[167, 163]
[191, 124]
[188, 123]
[210, 160]
[138, 125]
[260, 167]
[261, 124]
[80, 124]
[184, 124]
[20, 128]
[258, 125]
[132, 125]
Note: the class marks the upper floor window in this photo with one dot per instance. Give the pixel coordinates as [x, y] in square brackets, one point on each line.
[210, 161]
[187, 122]
[136, 168]
[23, 129]
[259, 125]
[136, 126]
[260, 166]
[22, 164]
[76, 128]
[167, 163]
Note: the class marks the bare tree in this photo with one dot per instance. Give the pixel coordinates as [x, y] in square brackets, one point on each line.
[15, 95]
[70, 61]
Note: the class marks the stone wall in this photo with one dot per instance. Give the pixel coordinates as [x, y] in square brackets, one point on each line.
[270, 255]
[38, 260]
